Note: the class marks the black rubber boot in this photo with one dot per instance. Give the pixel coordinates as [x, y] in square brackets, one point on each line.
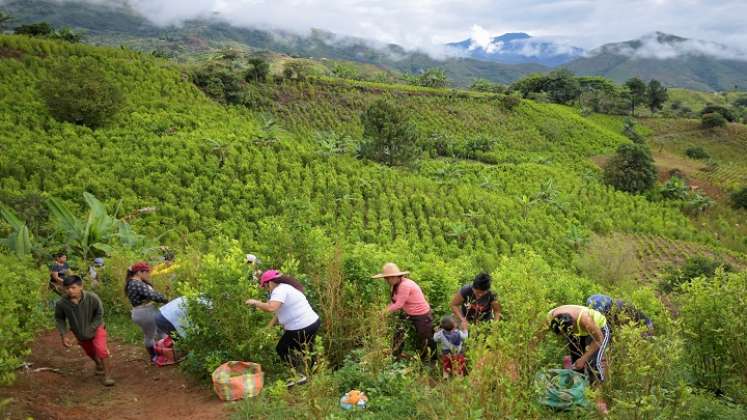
[152, 352]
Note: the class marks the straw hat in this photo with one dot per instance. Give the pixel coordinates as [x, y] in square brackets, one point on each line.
[390, 270]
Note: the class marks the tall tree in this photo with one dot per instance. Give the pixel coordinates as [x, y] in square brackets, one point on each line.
[81, 92]
[390, 137]
[562, 86]
[4, 20]
[631, 169]
[258, 70]
[656, 95]
[35, 29]
[636, 91]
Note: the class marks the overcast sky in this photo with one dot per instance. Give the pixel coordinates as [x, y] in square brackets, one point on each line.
[422, 23]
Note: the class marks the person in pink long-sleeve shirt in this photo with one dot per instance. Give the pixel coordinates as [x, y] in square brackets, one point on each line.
[407, 297]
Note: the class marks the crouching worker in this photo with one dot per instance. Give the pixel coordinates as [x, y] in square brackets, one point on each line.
[587, 334]
[451, 339]
[293, 311]
[172, 318]
[85, 314]
[618, 312]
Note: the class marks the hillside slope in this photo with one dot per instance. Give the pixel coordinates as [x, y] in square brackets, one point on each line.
[510, 191]
[157, 153]
[116, 23]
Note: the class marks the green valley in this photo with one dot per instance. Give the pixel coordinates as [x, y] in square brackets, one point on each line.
[214, 167]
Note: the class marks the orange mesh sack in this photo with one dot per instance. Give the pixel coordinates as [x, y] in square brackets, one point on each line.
[238, 380]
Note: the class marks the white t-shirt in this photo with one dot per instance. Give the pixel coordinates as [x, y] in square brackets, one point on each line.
[294, 313]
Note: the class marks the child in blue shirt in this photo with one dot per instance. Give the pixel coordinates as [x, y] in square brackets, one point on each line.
[450, 340]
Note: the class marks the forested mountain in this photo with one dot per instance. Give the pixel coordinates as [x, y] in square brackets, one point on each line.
[674, 61]
[117, 23]
[518, 48]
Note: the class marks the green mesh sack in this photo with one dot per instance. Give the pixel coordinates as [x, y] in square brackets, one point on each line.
[561, 389]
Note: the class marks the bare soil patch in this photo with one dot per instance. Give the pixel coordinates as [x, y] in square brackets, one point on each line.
[142, 391]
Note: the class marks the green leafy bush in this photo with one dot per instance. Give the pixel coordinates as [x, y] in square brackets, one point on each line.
[739, 198]
[80, 92]
[35, 29]
[646, 374]
[21, 313]
[725, 112]
[630, 132]
[482, 85]
[226, 328]
[509, 102]
[693, 268]
[631, 169]
[697, 152]
[433, 78]
[220, 83]
[298, 70]
[390, 137]
[675, 189]
[258, 70]
[713, 120]
[712, 314]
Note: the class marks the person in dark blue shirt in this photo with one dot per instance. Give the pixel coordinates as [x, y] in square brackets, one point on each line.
[57, 272]
[619, 312]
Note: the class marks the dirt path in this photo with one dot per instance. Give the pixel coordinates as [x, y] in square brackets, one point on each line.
[141, 392]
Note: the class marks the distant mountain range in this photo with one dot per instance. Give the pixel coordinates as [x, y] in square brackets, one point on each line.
[675, 61]
[518, 48]
[117, 23]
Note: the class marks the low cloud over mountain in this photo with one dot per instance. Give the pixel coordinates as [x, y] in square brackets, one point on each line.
[515, 48]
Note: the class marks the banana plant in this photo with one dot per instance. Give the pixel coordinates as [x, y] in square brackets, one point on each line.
[19, 240]
[94, 233]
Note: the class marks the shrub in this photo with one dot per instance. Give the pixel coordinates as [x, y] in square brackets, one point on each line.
[35, 29]
[609, 259]
[482, 85]
[509, 102]
[630, 132]
[696, 203]
[646, 376]
[741, 101]
[674, 189]
[697, 153]
[712, 314]
[219, 83]
[739, 199]
[433, 78]
[81, 93]
[227, 329]
[631, 169]
[258, 70]
[693, 268]
[713, 120]
[389, 135]
[296, 70]
[21, 311]
[725, 112]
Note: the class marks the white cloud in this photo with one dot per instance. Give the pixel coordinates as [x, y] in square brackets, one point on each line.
[652, 46]
[481, 38]
[426, 23]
